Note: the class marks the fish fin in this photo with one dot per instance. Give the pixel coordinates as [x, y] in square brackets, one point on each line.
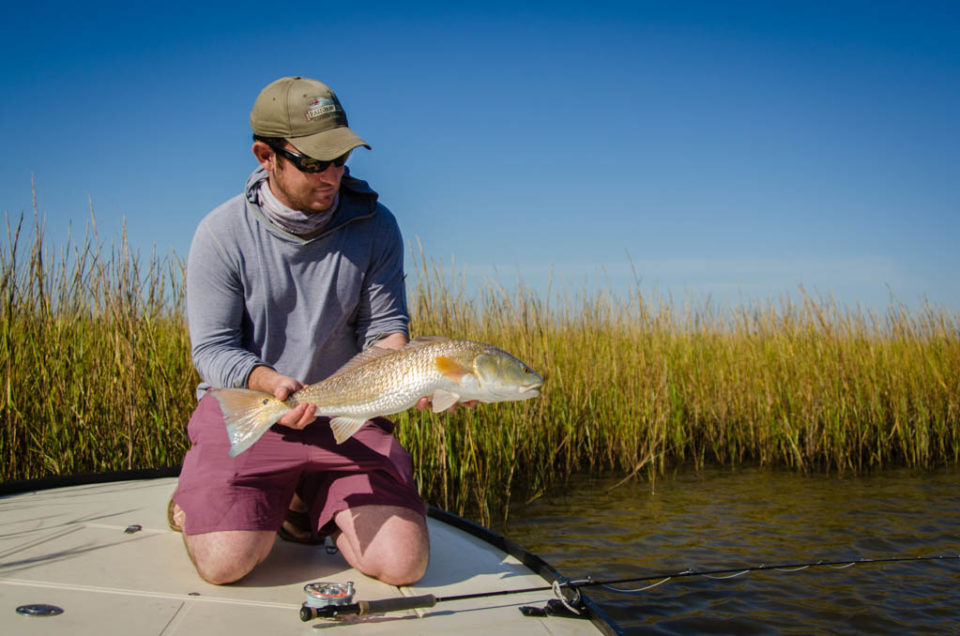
[247, 415]
[344, 427]
[362, 358]
[443, 399]
[451, 369]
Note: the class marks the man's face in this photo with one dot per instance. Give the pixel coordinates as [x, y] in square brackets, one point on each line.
[304, 191]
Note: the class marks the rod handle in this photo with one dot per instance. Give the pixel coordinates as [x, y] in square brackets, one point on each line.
[397, 604]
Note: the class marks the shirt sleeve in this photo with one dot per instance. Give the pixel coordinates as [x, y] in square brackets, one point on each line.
[215, 310]
[383, 298]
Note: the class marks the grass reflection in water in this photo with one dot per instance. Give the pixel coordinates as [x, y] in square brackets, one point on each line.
[730, 518]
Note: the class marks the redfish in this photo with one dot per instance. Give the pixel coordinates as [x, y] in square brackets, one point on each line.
[382, 381]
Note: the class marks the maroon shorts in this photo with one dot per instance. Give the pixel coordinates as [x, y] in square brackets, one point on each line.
[252, 491]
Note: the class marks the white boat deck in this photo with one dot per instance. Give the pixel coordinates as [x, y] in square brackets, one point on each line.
[69, 547]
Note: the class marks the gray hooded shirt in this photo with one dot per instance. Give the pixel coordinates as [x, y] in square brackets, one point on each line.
[257, 295]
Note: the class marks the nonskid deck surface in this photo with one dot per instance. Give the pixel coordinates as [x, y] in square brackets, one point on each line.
[80, 548]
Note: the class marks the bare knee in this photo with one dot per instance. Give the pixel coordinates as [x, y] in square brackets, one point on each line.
[396, 570]
[405, 569]
[223, 572]
[389, 543]
[226, 557]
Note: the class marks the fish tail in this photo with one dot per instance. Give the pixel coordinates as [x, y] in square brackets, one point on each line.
[247, 415]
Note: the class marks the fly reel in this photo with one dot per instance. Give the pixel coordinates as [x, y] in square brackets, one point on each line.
[323, 595]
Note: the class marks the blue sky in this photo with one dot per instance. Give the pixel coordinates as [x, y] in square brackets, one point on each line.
[730, 150]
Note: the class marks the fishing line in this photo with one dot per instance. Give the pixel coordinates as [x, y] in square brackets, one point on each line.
[568, 590]
[729, 573]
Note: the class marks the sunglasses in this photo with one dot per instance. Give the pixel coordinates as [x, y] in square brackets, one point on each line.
[308, 164]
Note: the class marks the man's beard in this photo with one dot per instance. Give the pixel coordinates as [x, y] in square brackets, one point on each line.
[301, 203]
[296, 221]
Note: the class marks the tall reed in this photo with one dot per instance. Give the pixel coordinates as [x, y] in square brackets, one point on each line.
[97, 376]
[95, 356]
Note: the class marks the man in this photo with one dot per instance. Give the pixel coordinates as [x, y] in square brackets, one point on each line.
[286, 283]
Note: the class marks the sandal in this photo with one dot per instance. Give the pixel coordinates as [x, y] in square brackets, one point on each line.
[296, 529]
[170, 522]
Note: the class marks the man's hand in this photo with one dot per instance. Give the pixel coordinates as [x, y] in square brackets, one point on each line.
[281, 386]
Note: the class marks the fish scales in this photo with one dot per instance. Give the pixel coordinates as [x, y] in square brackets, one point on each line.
[389, 383]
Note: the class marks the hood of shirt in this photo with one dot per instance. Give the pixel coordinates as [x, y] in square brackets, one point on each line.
[357, 200]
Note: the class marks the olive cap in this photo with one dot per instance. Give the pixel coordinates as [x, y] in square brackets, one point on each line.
[306, 113]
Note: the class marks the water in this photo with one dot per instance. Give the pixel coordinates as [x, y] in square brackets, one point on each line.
[722, 518]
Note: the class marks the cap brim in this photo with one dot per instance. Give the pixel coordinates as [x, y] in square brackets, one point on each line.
[329, 144]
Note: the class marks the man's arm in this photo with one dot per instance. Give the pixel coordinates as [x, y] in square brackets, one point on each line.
[392, 341]
[215, 306]
[382, 306]
[215, 309]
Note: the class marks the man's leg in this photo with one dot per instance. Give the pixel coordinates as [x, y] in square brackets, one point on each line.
[363, 490]
[389, 543]
[229, 508]
[226, 556]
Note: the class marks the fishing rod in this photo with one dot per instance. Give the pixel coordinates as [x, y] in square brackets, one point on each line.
[333, 600]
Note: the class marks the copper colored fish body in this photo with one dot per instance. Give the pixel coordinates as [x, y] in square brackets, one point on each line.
[386, 381]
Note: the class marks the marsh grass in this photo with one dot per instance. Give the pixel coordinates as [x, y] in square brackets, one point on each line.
[97, 376]
[635, 387]
[95, 356]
